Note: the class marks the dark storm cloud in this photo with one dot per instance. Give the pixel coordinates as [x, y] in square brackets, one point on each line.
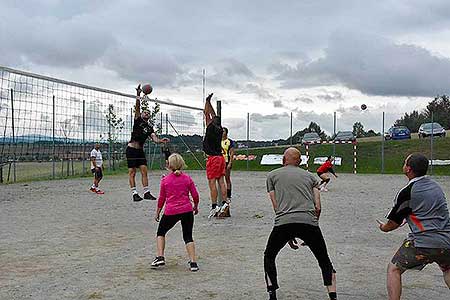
[278, 103]
[306, 100]
[373, 65]
[258, 90]
[158, 41]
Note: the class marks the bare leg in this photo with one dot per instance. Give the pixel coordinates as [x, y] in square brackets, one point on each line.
[223, 188]
[144, 173]
[447, 278]
[213, 190]
[332, 288]
[190, 248]
[161, 245]
[394, 282]
[131, 177]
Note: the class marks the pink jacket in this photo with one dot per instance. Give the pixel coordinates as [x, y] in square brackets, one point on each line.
[174, 192]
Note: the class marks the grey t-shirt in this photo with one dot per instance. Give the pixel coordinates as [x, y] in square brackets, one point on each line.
[293, 189]
[422, 203]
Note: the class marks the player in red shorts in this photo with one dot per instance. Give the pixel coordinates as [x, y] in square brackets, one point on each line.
[215, 164]
[323, 172]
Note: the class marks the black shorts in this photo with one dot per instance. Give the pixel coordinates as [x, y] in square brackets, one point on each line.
[135, 157]
[98, 173]
[187, 223]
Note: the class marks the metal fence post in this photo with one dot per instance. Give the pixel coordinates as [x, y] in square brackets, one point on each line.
[431, 142]
[53, 139]
[248, 135]
[334, 133]
[109, 145]
[167, 124]
[13, 134]
[291, 129]
[382, 146]
[84, 137]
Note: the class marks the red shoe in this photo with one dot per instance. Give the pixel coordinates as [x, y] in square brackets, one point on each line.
[93, 190]
[99, 192]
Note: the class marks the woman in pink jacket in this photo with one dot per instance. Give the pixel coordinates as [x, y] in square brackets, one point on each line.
[174, 193]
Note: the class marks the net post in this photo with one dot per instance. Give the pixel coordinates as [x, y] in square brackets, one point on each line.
[84, 137]
[13, 134]
[53, 138]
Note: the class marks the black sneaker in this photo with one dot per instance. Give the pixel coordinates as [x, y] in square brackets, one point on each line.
[158, 262]
[148, 196]
[193, 266]
[272, 295]
[137, 198]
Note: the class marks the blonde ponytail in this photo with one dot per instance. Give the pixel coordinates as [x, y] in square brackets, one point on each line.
[176, 163]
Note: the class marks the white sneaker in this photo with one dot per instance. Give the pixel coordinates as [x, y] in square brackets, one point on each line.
[213, 212]
[323, 189]
[222, 209]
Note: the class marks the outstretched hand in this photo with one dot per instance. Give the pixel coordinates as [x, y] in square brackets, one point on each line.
[139, 90]
[209, 97]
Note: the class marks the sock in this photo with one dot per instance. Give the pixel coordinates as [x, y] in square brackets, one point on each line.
[133, 190]
[223, 202]
[229, 193]
[93, 186]
[272, 295]
[333, 295]
[146, 189]
[214, 205]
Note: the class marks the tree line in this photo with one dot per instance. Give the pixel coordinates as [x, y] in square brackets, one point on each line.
[439, 107]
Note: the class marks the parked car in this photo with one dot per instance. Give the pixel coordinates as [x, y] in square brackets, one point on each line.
[311, 138]
[344, 136]
[397, 133]
[427, 128]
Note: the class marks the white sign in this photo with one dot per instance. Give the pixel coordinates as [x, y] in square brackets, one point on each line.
[321, 161]
[277, 159]
[440, 162]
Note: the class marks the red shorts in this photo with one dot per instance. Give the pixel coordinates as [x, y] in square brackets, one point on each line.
[215, 167]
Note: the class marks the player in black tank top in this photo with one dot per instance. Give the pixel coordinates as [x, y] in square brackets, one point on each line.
[142, 130]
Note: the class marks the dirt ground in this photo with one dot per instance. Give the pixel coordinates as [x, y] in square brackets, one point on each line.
[60, 241]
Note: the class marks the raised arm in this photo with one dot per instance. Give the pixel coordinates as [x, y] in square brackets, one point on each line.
[137, 107]
[208, 111]
[157, 140]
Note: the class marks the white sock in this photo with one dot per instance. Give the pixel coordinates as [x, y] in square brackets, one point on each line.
[133, 191]
[93, 186]
[146, 189]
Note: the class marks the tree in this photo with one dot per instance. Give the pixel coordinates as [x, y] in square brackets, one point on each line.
[358, 130]
[412, 120]
[440, 107]
[115, 124]
[314, 127]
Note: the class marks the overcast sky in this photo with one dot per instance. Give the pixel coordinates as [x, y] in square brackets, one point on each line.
[267, 58]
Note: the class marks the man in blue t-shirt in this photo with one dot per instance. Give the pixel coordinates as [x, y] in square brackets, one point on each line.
[423, 205]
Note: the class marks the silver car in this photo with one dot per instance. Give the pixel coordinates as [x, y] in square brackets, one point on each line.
[429, 129]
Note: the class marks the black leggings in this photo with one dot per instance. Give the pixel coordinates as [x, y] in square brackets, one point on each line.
[313, 238]
[187, 223]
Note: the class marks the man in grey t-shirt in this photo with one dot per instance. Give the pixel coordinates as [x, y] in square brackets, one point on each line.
[422, 203]
[295, 199]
